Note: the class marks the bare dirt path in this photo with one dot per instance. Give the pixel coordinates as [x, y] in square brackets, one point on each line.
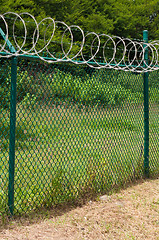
[133, 213]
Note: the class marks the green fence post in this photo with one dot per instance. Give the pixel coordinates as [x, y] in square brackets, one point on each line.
[12, 134]
[146, 110]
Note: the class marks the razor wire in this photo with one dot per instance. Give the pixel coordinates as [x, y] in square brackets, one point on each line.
[114, 52]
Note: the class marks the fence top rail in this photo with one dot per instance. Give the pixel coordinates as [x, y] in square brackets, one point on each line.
[54, 41]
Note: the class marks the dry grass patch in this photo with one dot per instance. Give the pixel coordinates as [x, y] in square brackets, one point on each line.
[132, 213]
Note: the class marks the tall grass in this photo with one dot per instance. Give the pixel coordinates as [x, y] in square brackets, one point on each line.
[77, 84]
[63, 152]
[75, 133]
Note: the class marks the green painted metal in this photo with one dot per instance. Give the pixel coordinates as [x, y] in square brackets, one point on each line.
[12, 134]
[10, 46]
[146, 111]
[12, 125]
[36, 58]
[78, 130]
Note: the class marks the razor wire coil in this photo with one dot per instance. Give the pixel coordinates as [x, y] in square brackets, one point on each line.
[115, 52]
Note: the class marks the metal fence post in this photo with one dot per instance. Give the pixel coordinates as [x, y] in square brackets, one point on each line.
[12, 134]
[146, 110]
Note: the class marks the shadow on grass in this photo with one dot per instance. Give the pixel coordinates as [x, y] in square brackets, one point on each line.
[44, 213]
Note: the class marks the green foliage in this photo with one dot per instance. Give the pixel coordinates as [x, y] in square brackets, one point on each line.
[63, 153]
[5, 71]
[99, 88]
[77, 84]
[40, 179]
[121, 17]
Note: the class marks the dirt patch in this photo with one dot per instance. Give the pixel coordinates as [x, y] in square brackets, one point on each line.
[133, 213]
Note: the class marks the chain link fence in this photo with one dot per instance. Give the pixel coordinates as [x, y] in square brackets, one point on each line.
[79, 131]
[5, 81]
[154, 123]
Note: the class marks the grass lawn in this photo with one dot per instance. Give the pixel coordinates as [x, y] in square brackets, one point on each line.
[63, 152]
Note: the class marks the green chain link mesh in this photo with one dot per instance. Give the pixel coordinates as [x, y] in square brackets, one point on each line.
[5, 79]
[78, 131]
[154, 122]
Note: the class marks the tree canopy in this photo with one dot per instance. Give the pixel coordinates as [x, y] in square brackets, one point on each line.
[125, 18]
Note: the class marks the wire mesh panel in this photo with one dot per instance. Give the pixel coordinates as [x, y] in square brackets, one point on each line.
[154, 123]
[5, 69]
[78, 130]
[82, 126]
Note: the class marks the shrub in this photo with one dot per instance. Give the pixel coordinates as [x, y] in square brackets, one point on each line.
[59, 82]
